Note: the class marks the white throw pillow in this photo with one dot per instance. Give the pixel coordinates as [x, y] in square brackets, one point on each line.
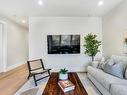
[111, 62]
[95, 64]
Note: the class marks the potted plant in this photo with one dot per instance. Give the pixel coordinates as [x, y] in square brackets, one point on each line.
[63, 74]
[91, 45]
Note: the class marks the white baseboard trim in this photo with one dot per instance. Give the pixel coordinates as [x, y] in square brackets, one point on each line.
[72, 69]
[15, 66]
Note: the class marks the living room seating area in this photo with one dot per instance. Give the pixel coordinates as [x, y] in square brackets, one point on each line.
[109, 84]
[63, 47]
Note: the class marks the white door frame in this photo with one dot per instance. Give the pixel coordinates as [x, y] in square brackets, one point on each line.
[4, 25]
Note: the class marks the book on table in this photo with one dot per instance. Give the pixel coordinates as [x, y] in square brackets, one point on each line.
[66, 85]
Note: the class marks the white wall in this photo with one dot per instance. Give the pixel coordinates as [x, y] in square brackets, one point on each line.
[114, 30]
[41, 27]
[17, 44]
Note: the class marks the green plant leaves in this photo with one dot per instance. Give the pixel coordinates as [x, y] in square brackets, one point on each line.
[63, 71]
[91, 44]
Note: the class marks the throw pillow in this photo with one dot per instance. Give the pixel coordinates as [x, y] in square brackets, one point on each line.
[116, 70]
[111, 62]
[124, 66]
[95, 64]
[102, 64]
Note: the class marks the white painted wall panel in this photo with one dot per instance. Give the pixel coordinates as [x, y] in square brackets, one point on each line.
[41, 27]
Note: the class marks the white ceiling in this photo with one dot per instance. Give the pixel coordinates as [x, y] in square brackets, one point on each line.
[22, 9]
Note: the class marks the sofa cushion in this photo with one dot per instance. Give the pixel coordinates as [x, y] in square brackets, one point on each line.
[116, 69]
[102, 64]
[105, 79]
[117, 59]
[118, 89]
[122, 59]
[111, 62]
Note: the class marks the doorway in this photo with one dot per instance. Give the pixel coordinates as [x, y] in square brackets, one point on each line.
[2, 47]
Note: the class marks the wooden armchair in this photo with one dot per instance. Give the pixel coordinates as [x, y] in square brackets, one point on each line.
[36, 67]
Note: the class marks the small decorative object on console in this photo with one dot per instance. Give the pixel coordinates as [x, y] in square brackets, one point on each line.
[66, 85]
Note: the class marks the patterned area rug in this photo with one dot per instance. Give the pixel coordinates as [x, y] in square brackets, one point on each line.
[29, 87]
[32, 91]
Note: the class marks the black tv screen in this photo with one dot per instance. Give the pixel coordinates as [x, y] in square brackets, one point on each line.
[63, 44]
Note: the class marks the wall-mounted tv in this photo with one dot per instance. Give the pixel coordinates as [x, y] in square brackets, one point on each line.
[63, 44]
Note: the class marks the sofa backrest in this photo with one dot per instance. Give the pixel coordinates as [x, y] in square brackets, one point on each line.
[118, 58]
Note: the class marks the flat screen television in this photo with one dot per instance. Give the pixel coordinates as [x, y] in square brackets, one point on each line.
[63, 44]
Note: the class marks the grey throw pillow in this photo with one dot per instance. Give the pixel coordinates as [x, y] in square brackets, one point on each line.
[102, 64]
[111, 62]
[116, 69]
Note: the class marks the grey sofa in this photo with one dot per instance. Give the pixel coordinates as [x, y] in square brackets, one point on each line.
[108, 84]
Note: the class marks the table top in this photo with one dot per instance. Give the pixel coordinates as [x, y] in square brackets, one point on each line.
[52, 87]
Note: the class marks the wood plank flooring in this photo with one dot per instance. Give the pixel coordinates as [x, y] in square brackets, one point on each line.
[10, 83]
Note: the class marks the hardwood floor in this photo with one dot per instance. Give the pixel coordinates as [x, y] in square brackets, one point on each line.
[13, 80]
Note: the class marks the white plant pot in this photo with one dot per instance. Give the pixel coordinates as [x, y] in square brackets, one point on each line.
[63, 76]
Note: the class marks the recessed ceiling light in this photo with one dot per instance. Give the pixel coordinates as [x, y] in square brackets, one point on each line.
[23, 21]
[100, 3]
[40, 2]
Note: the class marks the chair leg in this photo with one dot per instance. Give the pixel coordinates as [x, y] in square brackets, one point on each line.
[35, 80]
[28, 77]
[49, 72]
